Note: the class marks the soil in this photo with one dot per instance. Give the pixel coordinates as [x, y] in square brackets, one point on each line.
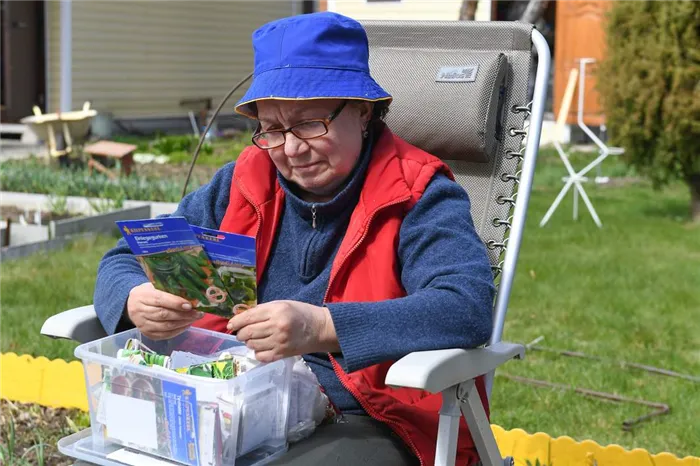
[34, 424]
[14, 212]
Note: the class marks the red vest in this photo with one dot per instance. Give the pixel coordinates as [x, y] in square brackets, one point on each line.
[365, 268]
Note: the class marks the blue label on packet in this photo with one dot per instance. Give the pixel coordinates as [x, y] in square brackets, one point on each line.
[157, 234]
[225, 247]
[181, 414]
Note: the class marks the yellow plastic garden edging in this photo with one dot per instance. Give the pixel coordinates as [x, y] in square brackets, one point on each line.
[61, 384]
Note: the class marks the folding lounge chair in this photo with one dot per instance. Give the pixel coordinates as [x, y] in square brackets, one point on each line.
[460, 92]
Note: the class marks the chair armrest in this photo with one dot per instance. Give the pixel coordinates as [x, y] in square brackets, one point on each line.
[438, 370]
[80, 324]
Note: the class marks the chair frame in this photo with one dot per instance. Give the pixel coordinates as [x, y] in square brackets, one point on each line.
[451, 371]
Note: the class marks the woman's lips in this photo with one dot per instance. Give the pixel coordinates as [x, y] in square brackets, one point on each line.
[305, 167]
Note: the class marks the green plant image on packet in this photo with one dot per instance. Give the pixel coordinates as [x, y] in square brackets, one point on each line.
[188, 273]
[240, 283]
[234, 257]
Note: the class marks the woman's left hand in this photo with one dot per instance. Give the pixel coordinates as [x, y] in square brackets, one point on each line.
[281, 329]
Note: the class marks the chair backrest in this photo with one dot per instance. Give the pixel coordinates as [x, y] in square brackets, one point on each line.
[454, 85]
[460, 92]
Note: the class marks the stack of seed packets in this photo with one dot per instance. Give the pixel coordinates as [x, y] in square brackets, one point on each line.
[224, 365]
[187, 428]
[213, 270]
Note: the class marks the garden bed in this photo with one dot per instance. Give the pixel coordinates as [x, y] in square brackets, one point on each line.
[15, 214]
[161, 182]
[38, 177]
[20, 239]
[29, 433]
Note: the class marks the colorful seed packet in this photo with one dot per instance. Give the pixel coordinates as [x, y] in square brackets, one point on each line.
[175, 262]
[233, 257]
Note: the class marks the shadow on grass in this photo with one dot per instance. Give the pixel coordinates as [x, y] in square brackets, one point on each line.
[668, 208]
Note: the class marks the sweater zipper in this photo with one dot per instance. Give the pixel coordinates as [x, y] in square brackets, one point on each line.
[313, 216]
[336, 368]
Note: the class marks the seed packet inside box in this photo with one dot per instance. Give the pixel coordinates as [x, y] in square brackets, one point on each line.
[233, 257]
[175, 262]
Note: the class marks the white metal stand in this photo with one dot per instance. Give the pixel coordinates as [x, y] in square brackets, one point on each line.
[575, 179]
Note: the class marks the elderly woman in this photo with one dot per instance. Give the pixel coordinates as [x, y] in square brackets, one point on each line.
[365, 247]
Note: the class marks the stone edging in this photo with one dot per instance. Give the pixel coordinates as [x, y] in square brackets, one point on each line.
[27, 249]
[77, 203]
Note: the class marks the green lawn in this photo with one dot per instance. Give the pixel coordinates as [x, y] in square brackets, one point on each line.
[34, 288]
[628, 291]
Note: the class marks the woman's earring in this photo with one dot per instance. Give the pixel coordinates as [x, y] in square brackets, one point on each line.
[365, 133]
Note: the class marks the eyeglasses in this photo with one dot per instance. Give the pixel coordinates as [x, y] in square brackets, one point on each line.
[308, 129]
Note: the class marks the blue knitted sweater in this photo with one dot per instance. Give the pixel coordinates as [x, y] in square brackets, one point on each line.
[444, 269]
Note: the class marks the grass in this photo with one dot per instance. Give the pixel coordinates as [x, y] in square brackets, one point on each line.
[628, 291]
[44, 284]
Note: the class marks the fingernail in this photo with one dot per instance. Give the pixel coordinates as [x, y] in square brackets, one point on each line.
[187, 306]
[200, 315]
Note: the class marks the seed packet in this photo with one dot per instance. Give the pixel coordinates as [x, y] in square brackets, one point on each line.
[233, 257]
[175, 262]
[259, 419]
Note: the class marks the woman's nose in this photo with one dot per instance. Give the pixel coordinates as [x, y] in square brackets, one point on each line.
[293, 146]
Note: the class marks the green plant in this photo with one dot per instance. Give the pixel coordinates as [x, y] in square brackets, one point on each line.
[536, 463]
[35, 177]
[214, 154]
[651, 89]
[81, 421]
[38, 450]
[101, 205]
[113, 197]
[7, 446]
[29, 432]
[58, 204]
[167, 145]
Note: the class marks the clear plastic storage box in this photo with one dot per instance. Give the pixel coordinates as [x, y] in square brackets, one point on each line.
[184, 418]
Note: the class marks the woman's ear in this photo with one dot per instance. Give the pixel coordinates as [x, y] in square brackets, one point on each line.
[365, 109]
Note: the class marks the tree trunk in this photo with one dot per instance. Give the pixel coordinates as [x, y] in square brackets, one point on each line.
[534, 11]
[694, 184]
[467, 11]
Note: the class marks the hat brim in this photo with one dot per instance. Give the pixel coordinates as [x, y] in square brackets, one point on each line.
[310, 84]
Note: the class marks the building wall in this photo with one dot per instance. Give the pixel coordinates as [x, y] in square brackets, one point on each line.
[141, 58]
[438, 10]
[53, 55]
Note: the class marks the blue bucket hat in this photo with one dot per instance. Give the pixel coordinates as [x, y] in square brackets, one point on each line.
[314, 56]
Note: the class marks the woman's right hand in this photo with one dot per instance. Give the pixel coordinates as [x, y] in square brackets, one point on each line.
[157, 314]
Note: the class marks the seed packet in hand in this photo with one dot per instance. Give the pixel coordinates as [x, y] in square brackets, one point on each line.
[175, 262]
[233, 257]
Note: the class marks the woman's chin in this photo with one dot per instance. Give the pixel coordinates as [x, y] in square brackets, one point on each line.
[319, 189]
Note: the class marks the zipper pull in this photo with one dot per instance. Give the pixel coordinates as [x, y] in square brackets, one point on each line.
[313, 216]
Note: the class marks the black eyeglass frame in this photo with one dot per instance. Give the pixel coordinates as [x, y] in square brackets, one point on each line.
[325, 121]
